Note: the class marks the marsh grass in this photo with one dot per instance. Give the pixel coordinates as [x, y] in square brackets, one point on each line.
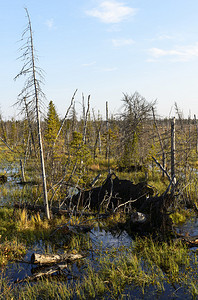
[170, 258]
[10, 251]
[114, 271]
[107, 273]
[43, 289]
[114, 221]
[12, 192]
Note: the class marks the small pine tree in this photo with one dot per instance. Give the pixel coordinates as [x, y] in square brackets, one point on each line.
[53, 124]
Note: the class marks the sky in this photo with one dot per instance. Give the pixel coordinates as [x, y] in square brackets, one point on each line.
[104, 49]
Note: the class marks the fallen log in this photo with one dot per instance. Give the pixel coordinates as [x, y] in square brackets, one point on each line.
[44, 259]
[59, 261]
[45, 272]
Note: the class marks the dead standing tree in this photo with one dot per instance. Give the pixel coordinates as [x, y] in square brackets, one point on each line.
[33, 93]
[137, 110]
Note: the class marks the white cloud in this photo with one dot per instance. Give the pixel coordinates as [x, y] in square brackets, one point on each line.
[122, 42]
[182, 53]
[111, 12]
[50, 23]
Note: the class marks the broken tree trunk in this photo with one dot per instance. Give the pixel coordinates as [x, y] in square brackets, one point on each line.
[59, 263]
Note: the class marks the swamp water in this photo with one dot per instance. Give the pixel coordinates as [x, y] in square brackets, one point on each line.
[102, 242]
[99, 239]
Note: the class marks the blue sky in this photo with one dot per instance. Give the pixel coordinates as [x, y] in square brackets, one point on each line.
[105, 49]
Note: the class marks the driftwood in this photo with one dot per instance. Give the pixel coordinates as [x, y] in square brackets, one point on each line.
[44, 272]
[58, 263]
[44, 259]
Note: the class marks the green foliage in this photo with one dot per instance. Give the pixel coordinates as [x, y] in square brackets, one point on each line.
[181, 216]
[52, 124]
[80, 156]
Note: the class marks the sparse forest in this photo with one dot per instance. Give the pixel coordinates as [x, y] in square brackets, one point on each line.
[70, 187]
[77, 149]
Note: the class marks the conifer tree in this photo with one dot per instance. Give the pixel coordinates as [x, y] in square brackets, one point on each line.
[53, 124]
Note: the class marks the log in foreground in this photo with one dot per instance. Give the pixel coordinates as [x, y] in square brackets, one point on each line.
[59, 263]
[45, 272]
[45, 259]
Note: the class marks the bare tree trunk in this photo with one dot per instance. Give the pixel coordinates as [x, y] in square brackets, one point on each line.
[38, 121]
[3, 129]
[85, 120]
[179, 115]
[108, 137]
[99, 142]
[22, 171]
[46, 204]
[98, 139]
[30, 125]
[65, 117]
[173, 150]
[160, 140]
[196, 133]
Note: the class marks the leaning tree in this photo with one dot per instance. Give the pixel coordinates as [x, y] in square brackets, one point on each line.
[31, 96]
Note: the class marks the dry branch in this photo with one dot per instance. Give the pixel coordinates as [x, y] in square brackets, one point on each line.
[65, 117]
[7, 145]
[162, 168]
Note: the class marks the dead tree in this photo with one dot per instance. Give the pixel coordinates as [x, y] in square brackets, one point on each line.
[161, 143]
[196, 126]
[108, 137]
[173, 148]
[85, 116]
[97, 125]
[33, 94]
[65, 117]
[30, 124]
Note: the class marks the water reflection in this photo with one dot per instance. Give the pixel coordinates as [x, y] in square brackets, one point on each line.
[189, 228]
[107, 239]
